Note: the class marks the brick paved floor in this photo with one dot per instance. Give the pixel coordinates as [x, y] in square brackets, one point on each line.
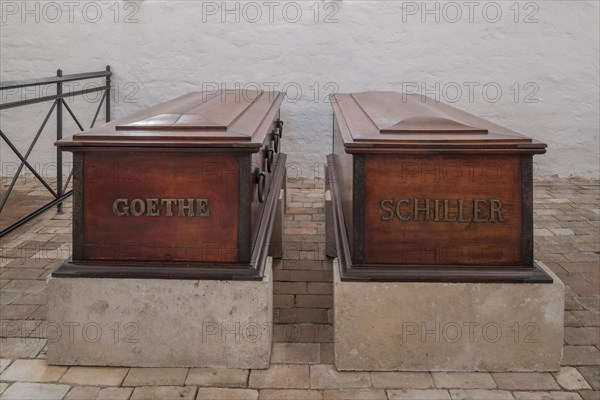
[567, 239]
[28, 196]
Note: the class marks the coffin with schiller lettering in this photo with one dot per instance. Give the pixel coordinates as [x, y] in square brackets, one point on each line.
[184, 189]
[422, 191]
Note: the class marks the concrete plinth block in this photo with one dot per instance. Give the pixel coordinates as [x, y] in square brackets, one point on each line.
[160, 323]
[410, 326]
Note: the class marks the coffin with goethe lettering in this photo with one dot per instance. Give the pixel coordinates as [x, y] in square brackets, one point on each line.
[186, 189]
[422, 191]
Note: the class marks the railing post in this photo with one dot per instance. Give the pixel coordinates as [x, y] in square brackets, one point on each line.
[59, 134]
[107, 105]
[62, 92]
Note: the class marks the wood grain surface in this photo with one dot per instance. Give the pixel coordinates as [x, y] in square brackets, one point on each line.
[426, 241]
[212, 238]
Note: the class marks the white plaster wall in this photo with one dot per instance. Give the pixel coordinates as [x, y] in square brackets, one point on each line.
[170, 48]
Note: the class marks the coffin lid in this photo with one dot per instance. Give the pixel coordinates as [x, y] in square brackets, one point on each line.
[226, 117]
[395, 120]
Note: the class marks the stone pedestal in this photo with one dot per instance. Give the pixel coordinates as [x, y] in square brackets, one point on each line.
[407, 326]
[160, 323]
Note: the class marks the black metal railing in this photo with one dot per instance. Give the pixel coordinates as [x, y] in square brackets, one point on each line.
[58, 103]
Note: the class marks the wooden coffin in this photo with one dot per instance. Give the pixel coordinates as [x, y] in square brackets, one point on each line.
[422, 191]
[186, 189]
